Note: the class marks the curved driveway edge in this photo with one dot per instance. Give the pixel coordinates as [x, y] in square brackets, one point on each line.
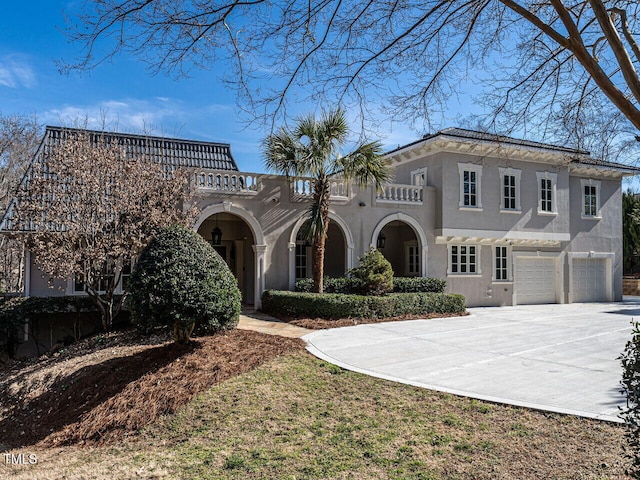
[558, 358]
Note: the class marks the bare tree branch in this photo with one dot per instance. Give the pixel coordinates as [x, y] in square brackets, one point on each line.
[409, 56]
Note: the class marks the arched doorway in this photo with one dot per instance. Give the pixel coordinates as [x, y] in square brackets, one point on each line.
[236, 235]
[338, 257]
[401, 240]
[234, 244]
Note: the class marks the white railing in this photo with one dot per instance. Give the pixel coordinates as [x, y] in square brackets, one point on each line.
[227, 182]
[399, 193]
[302, 188]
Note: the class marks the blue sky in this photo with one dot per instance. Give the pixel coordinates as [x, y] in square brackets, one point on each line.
[122, 92]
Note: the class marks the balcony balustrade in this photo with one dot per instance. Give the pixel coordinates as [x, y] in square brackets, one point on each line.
[302, 189]
[399, 193]
[227, 182]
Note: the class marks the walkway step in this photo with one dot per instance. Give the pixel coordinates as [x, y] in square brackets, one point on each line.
[263, 323]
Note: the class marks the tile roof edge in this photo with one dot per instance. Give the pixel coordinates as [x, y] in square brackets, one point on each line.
[455, 132]
[49, 128]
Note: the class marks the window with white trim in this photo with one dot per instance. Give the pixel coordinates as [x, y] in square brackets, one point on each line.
[419, 177]
[104, 277]
[547, 192]
[470, 185]
[107, 275]
[301, 260]
[413, 255]
[590, 198]
[125, 273]
[501, 263]
[510, 189]
[463, 260]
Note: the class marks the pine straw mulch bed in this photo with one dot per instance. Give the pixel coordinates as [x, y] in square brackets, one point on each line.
[109, 387]
[321, 323]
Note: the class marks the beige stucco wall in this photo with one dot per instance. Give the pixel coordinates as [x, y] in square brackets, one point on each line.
[263, 225]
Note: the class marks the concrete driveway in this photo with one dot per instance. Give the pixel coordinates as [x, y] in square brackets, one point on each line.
[560, 358]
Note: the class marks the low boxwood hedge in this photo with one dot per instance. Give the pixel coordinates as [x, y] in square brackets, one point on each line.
[15, 311]
[331, 285]
[353, 285]
[418, 285]
[20, 308]
[334, 306]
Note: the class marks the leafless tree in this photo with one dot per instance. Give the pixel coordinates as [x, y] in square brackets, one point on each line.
[19, 136]
[543, 64]
[90, 206]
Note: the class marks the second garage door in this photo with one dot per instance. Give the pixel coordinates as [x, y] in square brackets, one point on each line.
[589, 280]
[535, 280]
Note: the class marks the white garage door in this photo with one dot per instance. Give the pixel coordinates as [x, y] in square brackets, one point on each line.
[535, 280]
[589, 280]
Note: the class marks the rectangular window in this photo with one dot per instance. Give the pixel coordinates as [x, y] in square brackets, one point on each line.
[126, 274]
[106, 276]
[419, 177]
[301, 261]
[78, 285]
[509, 193]
[103, 278]
[501, 264]
[463, 260]
[546, 200]
[469, 184]
[414, 260]
[590, 201]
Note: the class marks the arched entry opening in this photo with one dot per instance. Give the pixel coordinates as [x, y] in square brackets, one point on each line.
[401, 240]
[236, 235]
[338, 258]
[233, 241]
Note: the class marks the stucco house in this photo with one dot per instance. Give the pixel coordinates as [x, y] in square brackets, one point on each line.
[504, 221]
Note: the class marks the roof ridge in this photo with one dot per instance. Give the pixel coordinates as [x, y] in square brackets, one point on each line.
[134, 135]
[458, 131]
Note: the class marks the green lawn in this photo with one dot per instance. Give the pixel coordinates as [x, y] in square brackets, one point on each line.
[298, 417]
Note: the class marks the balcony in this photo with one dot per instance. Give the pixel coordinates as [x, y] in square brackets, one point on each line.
[302, 190]
[227, 182]
[399, 193]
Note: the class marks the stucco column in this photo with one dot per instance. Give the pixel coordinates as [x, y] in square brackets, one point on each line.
[292, 265]
[424, 270]
[259, 251]
[27, 274]
[350, 264]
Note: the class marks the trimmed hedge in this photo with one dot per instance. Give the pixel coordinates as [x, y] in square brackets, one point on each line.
[344, 285]
[15, 311]
[334, 306]
[20, 308]
[418, 285]
[355, 285]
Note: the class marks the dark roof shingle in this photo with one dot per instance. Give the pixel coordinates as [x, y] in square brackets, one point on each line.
[172, 152]
[465, 134]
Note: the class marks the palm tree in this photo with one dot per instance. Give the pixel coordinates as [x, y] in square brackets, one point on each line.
[311, 149]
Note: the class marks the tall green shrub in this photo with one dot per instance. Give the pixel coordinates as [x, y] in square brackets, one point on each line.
[630, 231]
[181, 282]
[375, 272]
[11, 323]
[630, 360]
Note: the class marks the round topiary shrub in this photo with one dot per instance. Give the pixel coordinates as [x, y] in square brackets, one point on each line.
[375, 273]
[181, 282]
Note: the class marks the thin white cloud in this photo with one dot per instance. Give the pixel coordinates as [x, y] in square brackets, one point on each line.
[220, 107]
[155, 116]
[15, 72]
